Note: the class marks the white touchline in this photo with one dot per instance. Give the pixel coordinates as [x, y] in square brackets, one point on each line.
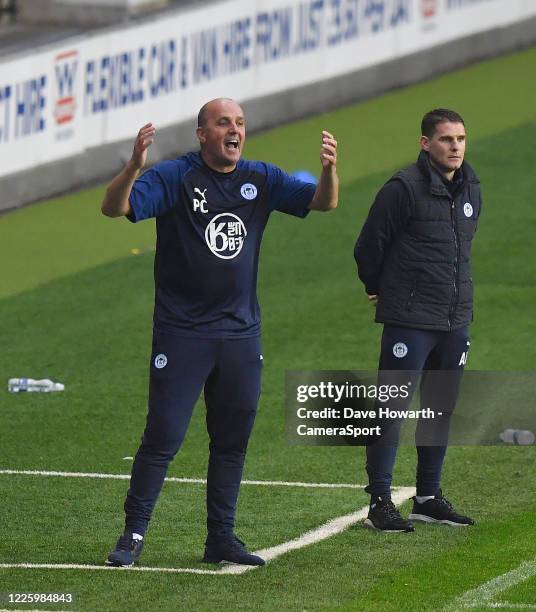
[327, 530]
[109, 568]
[507, 604]
[266, 483]
[482, 596]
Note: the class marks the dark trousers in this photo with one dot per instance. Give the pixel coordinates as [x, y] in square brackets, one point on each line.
[440, 357]
[229, 371]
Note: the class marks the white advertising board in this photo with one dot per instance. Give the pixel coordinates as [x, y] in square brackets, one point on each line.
[90, 91]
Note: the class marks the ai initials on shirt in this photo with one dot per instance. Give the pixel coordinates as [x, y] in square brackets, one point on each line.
[200, 204]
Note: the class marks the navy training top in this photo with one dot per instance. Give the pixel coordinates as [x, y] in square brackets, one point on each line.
[209, 228]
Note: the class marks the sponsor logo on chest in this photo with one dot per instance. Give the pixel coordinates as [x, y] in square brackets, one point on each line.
[225, 235]
[226, 232]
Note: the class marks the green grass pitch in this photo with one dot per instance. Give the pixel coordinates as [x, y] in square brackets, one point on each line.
[76, 305]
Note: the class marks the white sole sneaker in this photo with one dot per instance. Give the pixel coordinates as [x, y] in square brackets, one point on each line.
[423, 518]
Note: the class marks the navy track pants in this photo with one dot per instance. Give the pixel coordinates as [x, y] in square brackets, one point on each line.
[229, 371]
[416, 351]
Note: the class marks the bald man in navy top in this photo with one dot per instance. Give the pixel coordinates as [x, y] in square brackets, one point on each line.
[211, 208]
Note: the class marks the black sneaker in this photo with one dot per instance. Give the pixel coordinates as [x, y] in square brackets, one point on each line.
[384, 516]
[438, 510]
[126, 551]
[229, 550]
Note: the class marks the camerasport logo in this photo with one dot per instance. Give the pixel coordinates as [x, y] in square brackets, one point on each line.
[225, 235]
[429, 8]
[65, 70]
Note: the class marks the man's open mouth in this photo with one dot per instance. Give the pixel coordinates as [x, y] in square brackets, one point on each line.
[232, 143]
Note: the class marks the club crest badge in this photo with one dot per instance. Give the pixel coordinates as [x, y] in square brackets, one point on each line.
[400, 350]
[248, 191]
[160, 361]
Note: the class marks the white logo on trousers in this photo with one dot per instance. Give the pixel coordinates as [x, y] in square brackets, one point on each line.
[400, 350]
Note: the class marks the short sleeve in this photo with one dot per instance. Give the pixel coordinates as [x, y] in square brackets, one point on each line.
[288, 194]
[156, 191]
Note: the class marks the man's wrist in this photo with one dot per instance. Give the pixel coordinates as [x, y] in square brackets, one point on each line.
[330, 169]
[133, 166]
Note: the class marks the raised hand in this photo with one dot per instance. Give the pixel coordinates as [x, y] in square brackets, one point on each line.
[328, 152]
[144, 140]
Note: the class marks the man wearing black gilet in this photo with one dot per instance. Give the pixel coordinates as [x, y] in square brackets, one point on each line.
[413, 257]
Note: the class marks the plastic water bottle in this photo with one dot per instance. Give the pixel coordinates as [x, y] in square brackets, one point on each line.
[523, 437]
[28, 385]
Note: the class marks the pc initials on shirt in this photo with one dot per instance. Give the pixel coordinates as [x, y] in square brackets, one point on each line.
[200, 204]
